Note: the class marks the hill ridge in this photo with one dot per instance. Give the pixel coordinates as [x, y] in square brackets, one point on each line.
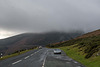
[89, 34]
[27, 40]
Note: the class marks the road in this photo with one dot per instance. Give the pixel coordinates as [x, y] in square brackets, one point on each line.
[40, 58]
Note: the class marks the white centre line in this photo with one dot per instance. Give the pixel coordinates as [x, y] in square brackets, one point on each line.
[43, 62]
[68, 62]
[35, 52]
[16, 62]
[44, 59]
[38, 51]
[26, 57]
[32, 54]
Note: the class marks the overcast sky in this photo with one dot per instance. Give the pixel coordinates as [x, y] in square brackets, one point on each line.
[18, 16]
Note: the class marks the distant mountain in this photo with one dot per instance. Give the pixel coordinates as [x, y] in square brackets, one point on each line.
[88, 43]
[90, 34]
[28, 40]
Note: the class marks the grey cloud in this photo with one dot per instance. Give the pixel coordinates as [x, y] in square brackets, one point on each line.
[48, 15]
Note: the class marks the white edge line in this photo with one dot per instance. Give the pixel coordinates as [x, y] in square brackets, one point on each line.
[16, 62]
[75, 62]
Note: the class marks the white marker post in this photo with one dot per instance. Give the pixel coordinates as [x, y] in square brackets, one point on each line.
[1, 55]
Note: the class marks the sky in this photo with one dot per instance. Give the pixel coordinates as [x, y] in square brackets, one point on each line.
[20, 16]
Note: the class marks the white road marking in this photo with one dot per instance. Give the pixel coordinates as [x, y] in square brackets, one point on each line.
[75, 62]
[38, 51]
[68, 62]
[26, 57]
[44, 62]
[16, 62]
[44, 59]
[32, 54]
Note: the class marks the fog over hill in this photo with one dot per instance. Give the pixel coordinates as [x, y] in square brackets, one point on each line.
[48, 15]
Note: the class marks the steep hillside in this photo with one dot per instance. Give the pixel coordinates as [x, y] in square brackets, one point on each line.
[90, 34]
[85, 48]
[88, 43]
[28, 40]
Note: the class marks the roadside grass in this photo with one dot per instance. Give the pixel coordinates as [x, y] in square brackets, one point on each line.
[77, 55]
[15, 54]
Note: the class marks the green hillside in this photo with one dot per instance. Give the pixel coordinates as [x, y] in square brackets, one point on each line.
[78, 55]
[88, 45]
[85, 50]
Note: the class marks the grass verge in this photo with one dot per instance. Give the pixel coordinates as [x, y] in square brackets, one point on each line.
[15, 54]
[77, 55]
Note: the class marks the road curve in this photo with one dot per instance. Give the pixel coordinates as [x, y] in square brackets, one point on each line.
[40, 58]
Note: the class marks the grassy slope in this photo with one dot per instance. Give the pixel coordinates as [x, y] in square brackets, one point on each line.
[15, 54]
[84, 48]
[77, 55]
[89, 45]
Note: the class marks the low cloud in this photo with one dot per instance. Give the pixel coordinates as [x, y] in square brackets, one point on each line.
[49, 15]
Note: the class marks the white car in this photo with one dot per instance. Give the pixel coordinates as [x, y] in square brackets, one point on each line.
[57, 51]
[40, 47]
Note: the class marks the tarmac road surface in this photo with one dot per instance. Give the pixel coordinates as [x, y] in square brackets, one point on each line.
[40, 58]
